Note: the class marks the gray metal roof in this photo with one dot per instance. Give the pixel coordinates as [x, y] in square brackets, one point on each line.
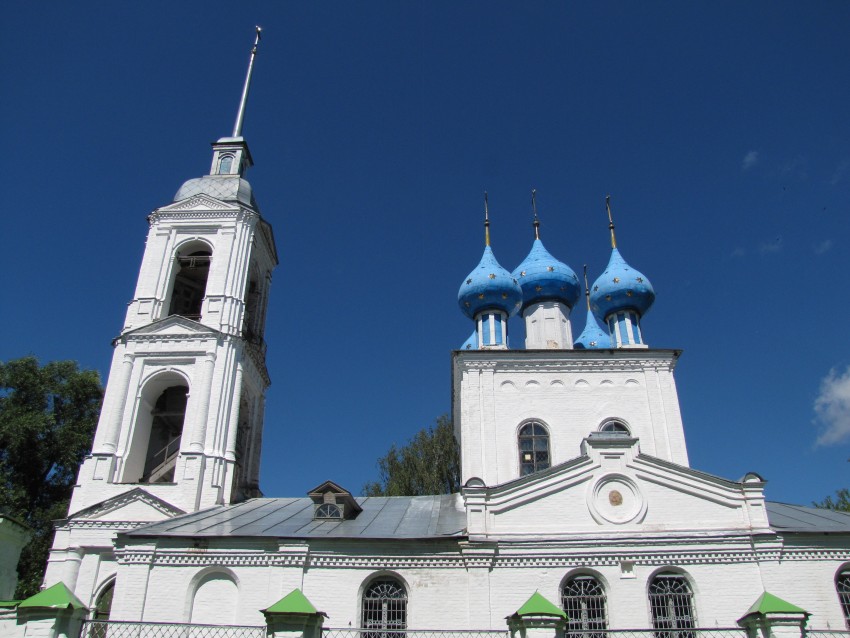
[799, 518]
[223, 187]
[399, 517]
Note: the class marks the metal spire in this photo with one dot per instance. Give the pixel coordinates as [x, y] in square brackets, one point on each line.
[536, 222]
[586, 288]
[610, 221]
[486, 222]
[240, 116]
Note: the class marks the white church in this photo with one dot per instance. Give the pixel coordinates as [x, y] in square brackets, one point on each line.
[579, 513]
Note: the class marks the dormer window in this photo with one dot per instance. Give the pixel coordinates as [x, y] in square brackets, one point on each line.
[333, 503]
[328, 511]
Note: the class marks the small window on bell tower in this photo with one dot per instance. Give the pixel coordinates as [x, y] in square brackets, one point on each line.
[225, 165]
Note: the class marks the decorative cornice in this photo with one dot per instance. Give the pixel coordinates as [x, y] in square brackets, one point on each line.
[116, 525]
[468, 557]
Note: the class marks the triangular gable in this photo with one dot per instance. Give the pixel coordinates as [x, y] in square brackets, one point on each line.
[613, 484]
[133, 505]
[172, 325]
[200, 202]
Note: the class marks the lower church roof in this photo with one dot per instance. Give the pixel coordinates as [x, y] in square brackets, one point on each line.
[400, 518]
[396, 517]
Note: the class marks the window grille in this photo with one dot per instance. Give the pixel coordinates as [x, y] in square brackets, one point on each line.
[671, 602]
[384, 609]
[583, 600]
[614, 427]
[328, 511]
[533, 448]
[842, 586]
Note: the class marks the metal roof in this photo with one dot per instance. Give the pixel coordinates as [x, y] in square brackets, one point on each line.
[399, 517]
[799, 518]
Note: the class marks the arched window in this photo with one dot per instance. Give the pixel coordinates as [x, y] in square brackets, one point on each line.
[215, 600]
[190, 284]
[533, 448]
[103, 604]
[615, 427]
[384, 608]
[166, 431]
[225, 165]
[583, 600]
[842, 586]
[671, 602]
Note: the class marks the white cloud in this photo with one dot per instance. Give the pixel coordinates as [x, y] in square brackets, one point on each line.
[774, 246]
[738, 252]
[823, 247]
[832, 407]
[750, 160]
[840, 172]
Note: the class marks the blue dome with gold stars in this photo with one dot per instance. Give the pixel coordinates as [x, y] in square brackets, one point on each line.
[543, 278]
[620, 287]
[489, 286]
[592, 337]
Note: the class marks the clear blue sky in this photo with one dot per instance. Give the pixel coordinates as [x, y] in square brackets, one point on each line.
[721, 130]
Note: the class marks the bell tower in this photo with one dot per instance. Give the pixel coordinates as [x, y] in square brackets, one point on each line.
[183, 409]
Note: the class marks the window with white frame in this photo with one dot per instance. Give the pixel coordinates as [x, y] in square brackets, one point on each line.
[583, 600]
[671, 602]
[384, 608]
[842, 586]
[533, 448]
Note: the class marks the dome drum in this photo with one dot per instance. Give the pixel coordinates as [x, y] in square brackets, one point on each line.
[624, 327]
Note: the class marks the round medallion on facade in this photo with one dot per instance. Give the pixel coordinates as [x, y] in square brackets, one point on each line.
[615, 498]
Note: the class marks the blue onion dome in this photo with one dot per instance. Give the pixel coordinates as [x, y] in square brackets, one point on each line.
[620, 287]
[592, 337]
[543, 278]
[472, 342]
[489, 286]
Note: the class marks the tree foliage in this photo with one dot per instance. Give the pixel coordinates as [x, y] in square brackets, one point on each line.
[48, 416]
[428, 464]
[841, 502]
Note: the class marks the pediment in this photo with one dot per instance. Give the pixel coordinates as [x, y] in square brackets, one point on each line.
[133, 505]
[200, 202]
[175, 325]
[608, 489]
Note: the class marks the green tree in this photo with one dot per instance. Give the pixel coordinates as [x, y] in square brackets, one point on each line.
[47, 419]
[841, 502]
[428, 464]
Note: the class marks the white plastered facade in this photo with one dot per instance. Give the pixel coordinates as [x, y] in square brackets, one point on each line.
[621, 508]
